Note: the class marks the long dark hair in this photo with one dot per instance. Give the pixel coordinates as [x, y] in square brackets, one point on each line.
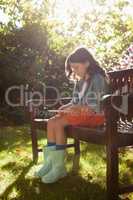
[81, 55]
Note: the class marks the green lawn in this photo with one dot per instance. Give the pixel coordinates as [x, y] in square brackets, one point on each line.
[86, 182]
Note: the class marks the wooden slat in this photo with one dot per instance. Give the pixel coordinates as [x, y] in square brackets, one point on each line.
[126, 189]
[86, 134]
[39, 120]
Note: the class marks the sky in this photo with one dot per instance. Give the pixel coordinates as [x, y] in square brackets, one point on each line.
[3, 17]
[65, 7]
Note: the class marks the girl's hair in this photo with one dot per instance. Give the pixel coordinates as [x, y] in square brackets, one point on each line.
[81, 55]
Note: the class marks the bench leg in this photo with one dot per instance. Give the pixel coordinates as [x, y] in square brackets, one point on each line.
[112, 172]
[76, 158]
[34, 143]
[77, 146]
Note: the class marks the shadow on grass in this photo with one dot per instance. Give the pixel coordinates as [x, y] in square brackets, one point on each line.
[12, 166]
[13, 137]
[20, 177]
[99, 150]
[10, 137]
[70, 188]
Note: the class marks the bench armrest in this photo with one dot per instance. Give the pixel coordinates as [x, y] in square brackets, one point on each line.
[119, 103]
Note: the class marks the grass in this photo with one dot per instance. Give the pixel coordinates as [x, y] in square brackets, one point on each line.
[86, 178]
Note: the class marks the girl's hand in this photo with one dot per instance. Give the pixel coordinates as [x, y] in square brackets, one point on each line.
[87, 109]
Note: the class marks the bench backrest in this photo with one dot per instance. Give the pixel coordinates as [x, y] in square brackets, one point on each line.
[121, 81]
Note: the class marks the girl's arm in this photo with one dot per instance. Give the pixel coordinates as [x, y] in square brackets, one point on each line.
[71, 103]
[100, 87]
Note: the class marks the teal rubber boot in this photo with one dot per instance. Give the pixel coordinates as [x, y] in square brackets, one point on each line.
[47, 161]
[58, 169]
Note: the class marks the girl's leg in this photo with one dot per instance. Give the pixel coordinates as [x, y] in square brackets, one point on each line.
[51, 138]
[57, 157]
[49, 151]
[60, 123]
[51, 142]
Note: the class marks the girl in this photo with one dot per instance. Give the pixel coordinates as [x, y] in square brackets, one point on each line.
[91, 82]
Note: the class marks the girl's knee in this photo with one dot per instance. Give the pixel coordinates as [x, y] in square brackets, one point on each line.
[60, 122]
[51, 122]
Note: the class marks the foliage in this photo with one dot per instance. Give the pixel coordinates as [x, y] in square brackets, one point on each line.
[34, 44]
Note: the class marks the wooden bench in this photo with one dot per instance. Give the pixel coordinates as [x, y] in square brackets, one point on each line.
[116, 133]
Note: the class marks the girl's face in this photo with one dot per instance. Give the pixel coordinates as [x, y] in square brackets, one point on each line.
[80, 69]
